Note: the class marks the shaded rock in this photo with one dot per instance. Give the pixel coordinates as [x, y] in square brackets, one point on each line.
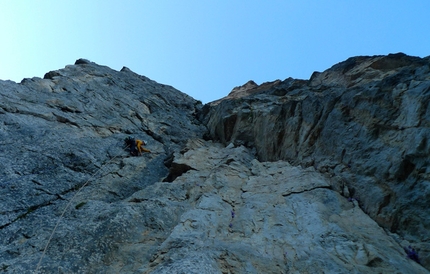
[364, 121]
[82, 61]
[247, 89]
[267, 199]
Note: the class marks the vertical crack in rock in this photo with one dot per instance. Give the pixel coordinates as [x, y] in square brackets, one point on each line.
[175, 171]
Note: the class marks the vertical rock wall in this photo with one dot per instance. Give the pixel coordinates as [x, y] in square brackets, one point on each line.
[288, 191]
[66, 131]
[365, 122]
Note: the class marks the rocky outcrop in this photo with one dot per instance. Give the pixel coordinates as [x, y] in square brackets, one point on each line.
[247, 216]
[66, 131]
[365, 122]
[259, 201]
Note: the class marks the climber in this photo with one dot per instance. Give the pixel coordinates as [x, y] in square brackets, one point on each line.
[140, 148]
[135, 146]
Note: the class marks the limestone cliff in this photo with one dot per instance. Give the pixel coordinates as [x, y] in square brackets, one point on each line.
[327, 175]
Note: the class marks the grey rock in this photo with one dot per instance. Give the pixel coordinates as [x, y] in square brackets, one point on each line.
[247, 216]
[364, 122]
[66, 131]
[75, 201]
[82, 61]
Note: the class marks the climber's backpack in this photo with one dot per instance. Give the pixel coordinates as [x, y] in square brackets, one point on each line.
[130, 143]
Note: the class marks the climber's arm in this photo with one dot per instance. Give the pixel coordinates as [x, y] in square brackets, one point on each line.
[140, 147]
[145, 149]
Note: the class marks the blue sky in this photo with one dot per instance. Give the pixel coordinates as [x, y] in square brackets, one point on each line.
[206, 47]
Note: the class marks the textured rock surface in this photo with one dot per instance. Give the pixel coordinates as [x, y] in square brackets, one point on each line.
[250, 205]
[65, 130]
[365, 121]
[246, 216]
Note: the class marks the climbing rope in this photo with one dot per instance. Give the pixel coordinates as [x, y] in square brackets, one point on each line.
[67, 206]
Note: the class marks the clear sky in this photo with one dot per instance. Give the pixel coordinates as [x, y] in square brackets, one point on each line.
[206, 47]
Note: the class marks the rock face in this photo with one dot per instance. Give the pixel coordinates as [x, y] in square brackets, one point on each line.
[365, 122]
[67, 130]
[247, 216]
[257, 182]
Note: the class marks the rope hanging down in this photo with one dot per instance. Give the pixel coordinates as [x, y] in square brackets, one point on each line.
[67, 206]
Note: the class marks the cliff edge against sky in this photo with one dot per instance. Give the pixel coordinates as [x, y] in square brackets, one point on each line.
[329, 174]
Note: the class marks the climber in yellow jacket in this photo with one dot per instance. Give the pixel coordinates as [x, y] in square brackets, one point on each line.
[140, 148]
[135, 146]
